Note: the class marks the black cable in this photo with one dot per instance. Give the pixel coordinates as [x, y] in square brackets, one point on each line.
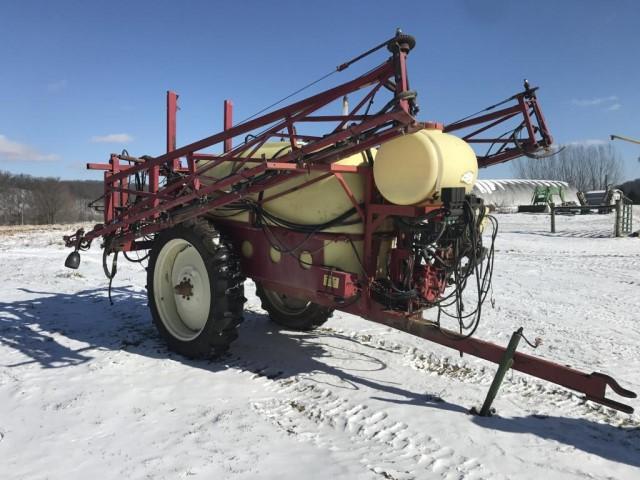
[516, 141]
[114, 268]
[370, 104]
[482, 273]
[265, 220]
[289, 96]
[265, 217]
[135, 260]
[491, 107]
[535, 344]
[486, 278]
[339, 68]
[355, 252]
[511, 132]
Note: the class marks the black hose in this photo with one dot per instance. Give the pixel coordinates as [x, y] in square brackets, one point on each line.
[135, 260]
[114, 269]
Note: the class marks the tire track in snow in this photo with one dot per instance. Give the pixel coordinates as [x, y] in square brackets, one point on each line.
[387, 448]
[528, 389]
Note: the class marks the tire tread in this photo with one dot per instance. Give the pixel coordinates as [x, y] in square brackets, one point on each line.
[228, 302]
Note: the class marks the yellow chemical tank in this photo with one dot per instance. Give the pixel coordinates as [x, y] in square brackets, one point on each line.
[319, 202]
[408, 170]
[413, 169]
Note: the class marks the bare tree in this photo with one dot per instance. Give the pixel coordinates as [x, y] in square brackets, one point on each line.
[50, 197]
[5, 181]
[586, 167]
[25, 199]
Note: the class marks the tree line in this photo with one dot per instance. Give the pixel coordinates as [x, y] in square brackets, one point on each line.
[585, 167]
[25, 199]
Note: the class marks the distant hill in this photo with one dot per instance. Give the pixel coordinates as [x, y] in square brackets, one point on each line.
[25, 199]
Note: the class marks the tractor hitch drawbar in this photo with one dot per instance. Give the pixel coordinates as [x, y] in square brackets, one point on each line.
[592, 385]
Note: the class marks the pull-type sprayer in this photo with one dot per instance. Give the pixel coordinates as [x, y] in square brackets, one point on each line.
[375, 217]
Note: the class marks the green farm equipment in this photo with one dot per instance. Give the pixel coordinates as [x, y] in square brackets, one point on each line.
[542, 198]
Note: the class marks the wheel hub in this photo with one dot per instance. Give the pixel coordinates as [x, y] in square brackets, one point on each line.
[184, 288]
[286, 304]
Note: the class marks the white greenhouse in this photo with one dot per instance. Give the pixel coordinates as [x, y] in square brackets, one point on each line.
[506, 195]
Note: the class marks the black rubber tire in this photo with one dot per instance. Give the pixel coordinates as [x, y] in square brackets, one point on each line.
[312, 317]
[227, 290]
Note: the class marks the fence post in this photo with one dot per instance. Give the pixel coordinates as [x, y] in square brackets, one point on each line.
[553, 217]
[618, 227]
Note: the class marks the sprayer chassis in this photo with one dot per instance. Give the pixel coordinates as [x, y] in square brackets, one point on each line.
[186, 195]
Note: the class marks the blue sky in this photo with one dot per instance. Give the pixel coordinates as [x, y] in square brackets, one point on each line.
[80, 79]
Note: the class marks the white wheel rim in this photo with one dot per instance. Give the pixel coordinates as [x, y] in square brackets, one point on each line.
[182, 292]
[286, 304]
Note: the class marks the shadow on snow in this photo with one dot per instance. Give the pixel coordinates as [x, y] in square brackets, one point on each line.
[33, 326]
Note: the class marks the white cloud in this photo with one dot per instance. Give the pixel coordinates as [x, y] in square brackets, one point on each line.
[594, 102]
[14, 151]
[614, 107]
[57, 86]
[112, 138]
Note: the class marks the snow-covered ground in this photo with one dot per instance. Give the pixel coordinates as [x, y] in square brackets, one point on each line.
[88, 390]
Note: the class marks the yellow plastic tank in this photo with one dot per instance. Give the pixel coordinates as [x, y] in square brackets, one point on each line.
[414, 168]
[408, 170]
[319, 202]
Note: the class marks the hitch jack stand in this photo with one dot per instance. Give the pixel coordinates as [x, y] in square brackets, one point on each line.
[504, 365]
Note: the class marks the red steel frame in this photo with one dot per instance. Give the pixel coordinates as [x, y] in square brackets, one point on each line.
[318, 153]
[527, 107]
[185, 195]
